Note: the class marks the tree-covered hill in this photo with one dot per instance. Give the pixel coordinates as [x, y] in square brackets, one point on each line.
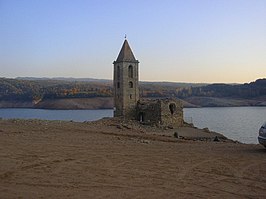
[245, 91]
[40, 90]
[26, 90]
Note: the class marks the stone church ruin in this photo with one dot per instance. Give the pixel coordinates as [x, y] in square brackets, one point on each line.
[127, 103]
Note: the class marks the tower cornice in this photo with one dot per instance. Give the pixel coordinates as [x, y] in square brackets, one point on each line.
[116, 62]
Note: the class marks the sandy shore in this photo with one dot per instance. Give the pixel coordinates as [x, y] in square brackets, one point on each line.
[110, 159]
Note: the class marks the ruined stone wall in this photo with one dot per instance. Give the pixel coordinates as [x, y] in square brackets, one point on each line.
[160, 112]
[171, 112]
[148, 112]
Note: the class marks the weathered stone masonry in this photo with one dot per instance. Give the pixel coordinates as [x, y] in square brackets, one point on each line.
[127, 104]
[160, 112]
[126, 79]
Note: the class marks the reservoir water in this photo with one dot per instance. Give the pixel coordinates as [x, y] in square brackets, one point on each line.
[237, 123]
[45, 114]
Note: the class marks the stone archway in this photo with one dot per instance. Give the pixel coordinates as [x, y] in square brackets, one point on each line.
[172, 108]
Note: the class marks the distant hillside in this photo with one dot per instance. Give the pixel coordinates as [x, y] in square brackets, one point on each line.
[70, 79]
[246, 91]
[44, 92]
[142, 83]
[27, 90]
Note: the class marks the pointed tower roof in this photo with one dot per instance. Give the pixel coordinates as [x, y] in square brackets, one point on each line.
[126, 54]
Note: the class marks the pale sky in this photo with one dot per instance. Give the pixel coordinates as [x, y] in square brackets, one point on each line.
[203, 41]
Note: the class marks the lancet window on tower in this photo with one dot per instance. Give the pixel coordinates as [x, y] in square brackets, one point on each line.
[130, 71]
[130, 84]
[118, 72]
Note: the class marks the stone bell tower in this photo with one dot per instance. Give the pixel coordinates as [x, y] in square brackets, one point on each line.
[126, 83]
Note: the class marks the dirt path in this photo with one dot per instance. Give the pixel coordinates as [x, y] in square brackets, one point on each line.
[41, 159]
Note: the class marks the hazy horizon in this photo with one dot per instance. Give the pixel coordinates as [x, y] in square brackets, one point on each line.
[106, 79]
[175, 41]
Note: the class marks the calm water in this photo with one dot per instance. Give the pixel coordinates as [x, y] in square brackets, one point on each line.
[238, 123]
[75, 115]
